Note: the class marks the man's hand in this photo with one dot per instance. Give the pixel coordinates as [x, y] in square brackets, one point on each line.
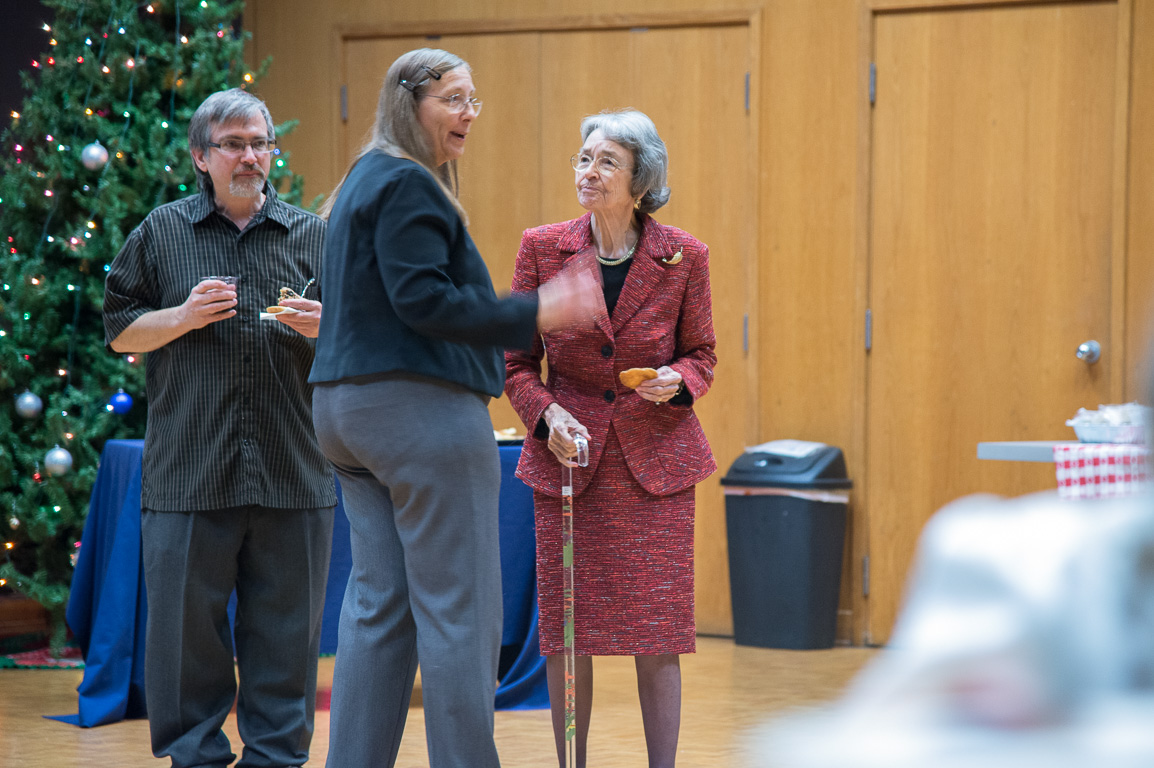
[210, 301]
[306, 320]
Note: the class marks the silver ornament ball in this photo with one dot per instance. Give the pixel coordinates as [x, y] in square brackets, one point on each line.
[94, 156]
[29, 405]
[57, 461]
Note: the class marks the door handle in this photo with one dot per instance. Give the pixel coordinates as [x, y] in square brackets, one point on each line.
[1089, 352]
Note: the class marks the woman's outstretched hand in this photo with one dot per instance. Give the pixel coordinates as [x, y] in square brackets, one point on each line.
[568, 300]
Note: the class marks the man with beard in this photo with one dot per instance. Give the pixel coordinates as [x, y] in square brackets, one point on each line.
[236, 494]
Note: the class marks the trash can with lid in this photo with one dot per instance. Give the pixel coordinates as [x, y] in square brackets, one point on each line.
[785, 514]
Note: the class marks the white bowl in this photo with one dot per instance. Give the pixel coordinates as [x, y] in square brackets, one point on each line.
[1110, 433]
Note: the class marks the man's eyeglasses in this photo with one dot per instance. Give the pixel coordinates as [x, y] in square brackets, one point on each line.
[604, 165]
[458, 103]
[236, 146]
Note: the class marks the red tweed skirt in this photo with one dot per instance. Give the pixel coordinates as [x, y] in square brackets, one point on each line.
[633, 566]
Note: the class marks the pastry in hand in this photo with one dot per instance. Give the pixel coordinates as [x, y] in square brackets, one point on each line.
[285, 293]
[634, 376]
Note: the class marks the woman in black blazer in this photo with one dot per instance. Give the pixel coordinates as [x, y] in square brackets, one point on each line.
[410, 351]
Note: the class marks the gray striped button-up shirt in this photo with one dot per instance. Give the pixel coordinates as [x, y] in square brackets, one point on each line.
[229, 404]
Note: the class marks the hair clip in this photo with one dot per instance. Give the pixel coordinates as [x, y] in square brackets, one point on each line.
[412, 87]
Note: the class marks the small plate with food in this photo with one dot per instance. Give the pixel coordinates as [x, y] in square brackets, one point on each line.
[271, 312]
[277, 309]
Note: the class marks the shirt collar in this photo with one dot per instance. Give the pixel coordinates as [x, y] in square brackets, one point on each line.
[204, 204]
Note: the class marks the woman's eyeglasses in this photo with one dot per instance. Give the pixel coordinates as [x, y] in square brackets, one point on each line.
[604, 165]
[458, 103]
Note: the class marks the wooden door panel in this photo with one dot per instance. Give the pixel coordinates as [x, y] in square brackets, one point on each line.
[500, 170]
[691, 82]
[582, 73]
[990, 255]
[516, 174]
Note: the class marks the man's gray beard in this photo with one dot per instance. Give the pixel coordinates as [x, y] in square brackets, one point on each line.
[246, 187]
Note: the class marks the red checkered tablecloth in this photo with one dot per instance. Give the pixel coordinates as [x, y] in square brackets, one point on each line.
[1100, 470]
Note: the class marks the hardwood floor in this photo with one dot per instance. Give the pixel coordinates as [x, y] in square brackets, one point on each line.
[728, 689]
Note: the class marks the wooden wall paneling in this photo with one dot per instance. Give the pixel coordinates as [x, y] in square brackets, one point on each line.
[516, 174]
[991, 254]
[691, 81]
[1139, 296]
[1121, 361]
[582, 72]
[809, 326]
[303, 84]
[500, 171]
[856, 603]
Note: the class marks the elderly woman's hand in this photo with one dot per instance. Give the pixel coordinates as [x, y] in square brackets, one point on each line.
[562, 427]
[663, 388]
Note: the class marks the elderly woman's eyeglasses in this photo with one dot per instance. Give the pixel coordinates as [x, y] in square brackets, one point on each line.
[236, 146]
[458, 103]
[604, 165]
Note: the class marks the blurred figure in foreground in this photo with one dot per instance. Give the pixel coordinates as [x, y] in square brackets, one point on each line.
[1027, 640]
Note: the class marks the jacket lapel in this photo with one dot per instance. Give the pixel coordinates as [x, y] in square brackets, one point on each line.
[644, 275]
[577, 243]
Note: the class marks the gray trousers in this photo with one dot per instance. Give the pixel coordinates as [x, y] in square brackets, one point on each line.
[420, 474]
[278, 561]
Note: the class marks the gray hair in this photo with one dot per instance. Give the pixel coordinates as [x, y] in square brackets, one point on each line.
[637, 133]
[222, 108]
[397, 131]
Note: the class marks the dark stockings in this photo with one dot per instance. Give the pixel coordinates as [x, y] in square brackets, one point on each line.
[658, 686]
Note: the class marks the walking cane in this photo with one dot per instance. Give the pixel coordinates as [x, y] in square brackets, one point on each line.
[582, 460]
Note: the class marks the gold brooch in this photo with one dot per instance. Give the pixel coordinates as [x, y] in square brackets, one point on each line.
[674, 259]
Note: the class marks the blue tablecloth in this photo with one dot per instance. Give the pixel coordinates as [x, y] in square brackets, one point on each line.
[107, 607]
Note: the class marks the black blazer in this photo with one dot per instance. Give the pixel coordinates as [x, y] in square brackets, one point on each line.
[405, 288]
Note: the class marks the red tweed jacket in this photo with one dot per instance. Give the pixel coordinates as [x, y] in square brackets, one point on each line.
[663, 317]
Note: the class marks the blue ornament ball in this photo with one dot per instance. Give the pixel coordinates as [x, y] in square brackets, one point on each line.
[121, 402]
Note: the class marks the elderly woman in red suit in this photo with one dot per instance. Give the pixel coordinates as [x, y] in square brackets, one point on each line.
[634, 503]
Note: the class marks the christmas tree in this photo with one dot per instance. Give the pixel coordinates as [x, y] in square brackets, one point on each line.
[99, 142]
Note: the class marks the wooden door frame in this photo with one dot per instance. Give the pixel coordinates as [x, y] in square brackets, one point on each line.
[868, 10]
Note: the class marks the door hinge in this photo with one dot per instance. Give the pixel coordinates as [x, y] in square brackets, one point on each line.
[745, 334]
[869, 330]
[747, 93]
[873, 82]
[865, 576]
[344, 103]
